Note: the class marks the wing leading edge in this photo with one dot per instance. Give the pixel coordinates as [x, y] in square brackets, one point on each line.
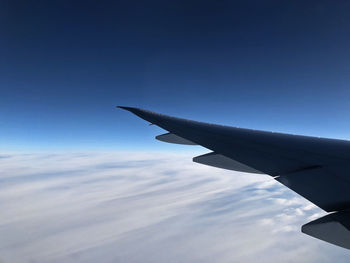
[315, 168]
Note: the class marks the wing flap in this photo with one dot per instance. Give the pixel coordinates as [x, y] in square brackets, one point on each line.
[221, 161]
[173, 138]
[332, 228]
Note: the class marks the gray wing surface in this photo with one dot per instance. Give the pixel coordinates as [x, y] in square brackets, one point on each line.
[316, 168]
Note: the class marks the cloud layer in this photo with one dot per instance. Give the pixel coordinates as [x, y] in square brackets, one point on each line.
[135, 207]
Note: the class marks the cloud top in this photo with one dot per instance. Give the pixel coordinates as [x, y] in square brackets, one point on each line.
[123, 207]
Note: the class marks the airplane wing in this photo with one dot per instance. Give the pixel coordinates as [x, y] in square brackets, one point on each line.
[316, 168]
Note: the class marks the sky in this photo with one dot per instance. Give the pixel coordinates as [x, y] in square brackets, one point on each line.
[271, 65]
[82, 181]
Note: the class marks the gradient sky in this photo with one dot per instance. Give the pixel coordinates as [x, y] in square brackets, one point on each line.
[271, 65]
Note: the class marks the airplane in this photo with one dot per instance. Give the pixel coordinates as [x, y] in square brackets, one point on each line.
[316, 168]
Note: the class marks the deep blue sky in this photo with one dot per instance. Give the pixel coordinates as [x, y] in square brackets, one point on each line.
[271, 65]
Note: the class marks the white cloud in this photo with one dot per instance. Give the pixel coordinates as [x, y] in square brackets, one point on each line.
[136, 207]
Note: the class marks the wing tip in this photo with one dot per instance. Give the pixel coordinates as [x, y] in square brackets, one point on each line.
[144, 114]
[126, 108]
[131, 109]
[147, 115]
